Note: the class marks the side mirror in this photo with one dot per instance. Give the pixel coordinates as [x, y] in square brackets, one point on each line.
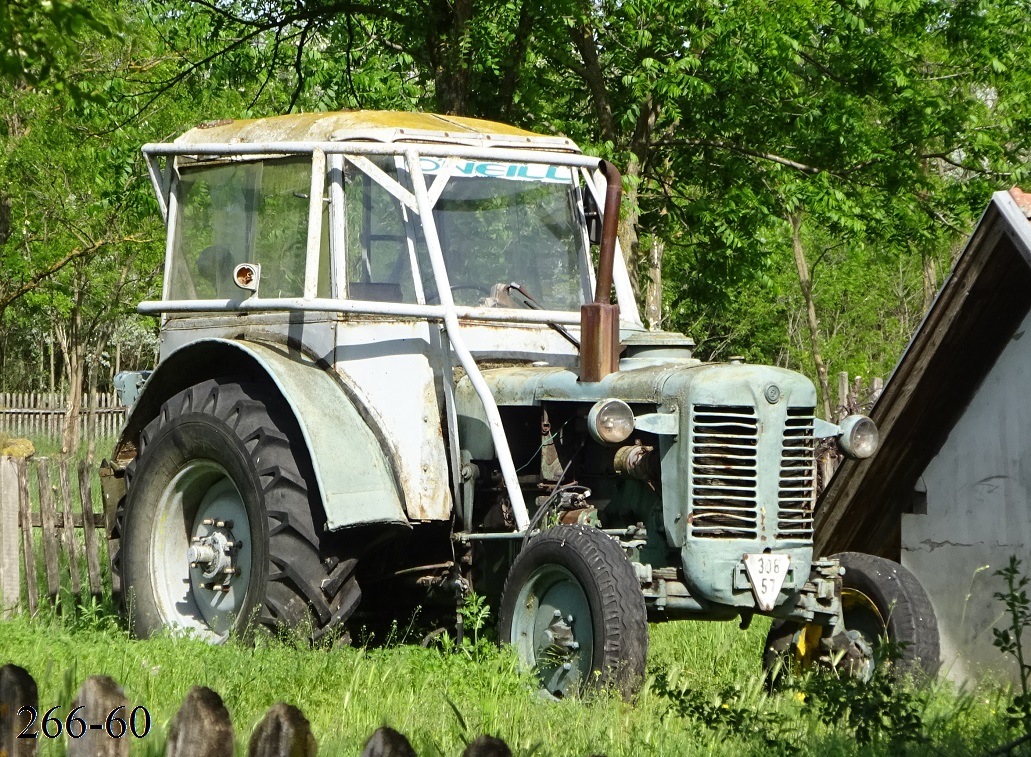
[593, 218]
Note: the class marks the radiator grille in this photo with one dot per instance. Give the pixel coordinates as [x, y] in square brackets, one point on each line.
[797, 476]
[724, 472]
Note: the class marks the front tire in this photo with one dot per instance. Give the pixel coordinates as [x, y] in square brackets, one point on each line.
[221, 529]
[880, 599]
[573, 609]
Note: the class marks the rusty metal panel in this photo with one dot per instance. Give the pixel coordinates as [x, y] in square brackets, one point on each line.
[387, 125]
[355, 478]
[393, 368]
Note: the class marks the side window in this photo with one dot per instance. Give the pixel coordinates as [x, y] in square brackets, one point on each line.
[254, 212]
[378, 257]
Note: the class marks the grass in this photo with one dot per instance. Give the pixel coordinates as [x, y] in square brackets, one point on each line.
[442, 699]
[704, 693]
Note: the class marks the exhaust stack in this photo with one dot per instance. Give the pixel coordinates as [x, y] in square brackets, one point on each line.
[599, 320]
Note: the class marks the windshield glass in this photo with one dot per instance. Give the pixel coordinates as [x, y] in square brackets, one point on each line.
[254, 212]
[503, 223]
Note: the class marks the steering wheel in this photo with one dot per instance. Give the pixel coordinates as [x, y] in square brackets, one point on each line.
[485, 291]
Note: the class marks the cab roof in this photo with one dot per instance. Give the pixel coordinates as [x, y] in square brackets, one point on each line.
[372, 125]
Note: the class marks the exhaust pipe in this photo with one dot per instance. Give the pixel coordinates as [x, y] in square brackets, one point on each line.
[599, 320]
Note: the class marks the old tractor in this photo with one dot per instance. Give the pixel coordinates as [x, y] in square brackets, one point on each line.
[400, 360]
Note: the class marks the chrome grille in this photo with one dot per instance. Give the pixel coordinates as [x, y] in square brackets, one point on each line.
[724, 472]
[797, 476]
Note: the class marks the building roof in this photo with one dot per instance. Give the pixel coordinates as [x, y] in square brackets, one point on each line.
[973, 317]
[374, 125]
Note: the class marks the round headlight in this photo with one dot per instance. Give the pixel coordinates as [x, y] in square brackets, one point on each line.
[859, 436]
[610, 421]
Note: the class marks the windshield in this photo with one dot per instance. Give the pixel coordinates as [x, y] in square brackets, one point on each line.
[501, 224]
[255, 212]
[498, 224]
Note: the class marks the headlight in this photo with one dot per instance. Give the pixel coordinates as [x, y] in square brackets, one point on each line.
[610, 421]
[859, 436]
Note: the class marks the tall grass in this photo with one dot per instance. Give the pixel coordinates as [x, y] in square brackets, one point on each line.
[442, 699]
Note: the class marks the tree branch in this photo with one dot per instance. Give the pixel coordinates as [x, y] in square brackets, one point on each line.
[747, 151]
[594, 77]
[39, 277]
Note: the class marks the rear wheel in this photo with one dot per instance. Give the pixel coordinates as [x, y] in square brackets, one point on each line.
[880, 599]
[218, 528]
[573, 609]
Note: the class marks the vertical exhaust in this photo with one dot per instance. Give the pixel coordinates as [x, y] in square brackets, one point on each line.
[599, 320]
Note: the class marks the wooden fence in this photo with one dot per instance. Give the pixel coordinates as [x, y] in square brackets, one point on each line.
[38, 414]
[102, 722]
[55, 521]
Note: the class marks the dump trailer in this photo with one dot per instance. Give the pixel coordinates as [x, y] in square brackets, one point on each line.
[401, 361]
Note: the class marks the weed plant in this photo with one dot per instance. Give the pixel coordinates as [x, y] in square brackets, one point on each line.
[704, 694]
[1010, 641]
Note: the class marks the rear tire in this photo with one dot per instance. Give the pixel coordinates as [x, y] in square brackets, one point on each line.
[222, 478]
[880, 598]
[572, 598]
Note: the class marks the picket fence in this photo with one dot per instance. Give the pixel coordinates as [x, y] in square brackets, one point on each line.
[58, 522]
[43, 415]
[103, 722]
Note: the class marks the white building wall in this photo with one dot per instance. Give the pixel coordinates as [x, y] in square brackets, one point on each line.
[978, 514]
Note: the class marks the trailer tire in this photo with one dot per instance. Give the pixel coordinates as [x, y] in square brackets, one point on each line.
[562, 575]
[223, 479]
[880, 598]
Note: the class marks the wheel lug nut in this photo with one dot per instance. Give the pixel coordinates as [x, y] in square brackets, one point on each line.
[558, 613]
[567, 666]
[207, 522]
[569, 618]
[574, 645]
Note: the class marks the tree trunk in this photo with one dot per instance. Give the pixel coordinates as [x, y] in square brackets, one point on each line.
[653, 292]
[806, 285]
[448, 40]
[73, 350]
[930, 281]
[91, 412]
[631, 214]
[75, 371]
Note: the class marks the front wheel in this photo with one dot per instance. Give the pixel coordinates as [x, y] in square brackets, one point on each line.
[573, 609]
[880, 600]
[219, 531]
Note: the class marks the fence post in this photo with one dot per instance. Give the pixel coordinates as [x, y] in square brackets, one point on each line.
[28, 543]
[283, 732]
[10, 566]
[17, 690]
[48, 519]
[89, 529]
[843, 402]
[70, 546]
[201, 728]
[386, 742]
[99, 697]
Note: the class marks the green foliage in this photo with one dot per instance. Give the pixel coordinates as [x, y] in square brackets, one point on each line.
[744, 711]
[880, 710]
[1010, 640]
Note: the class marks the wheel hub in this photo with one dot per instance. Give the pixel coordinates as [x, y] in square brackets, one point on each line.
[560, 643]
[213, 550]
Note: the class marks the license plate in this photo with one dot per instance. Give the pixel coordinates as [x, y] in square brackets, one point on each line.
[767, 572]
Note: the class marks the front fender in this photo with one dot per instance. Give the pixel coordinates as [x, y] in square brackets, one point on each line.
[356, 481]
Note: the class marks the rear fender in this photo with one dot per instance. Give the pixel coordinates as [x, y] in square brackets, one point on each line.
[356, 481]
